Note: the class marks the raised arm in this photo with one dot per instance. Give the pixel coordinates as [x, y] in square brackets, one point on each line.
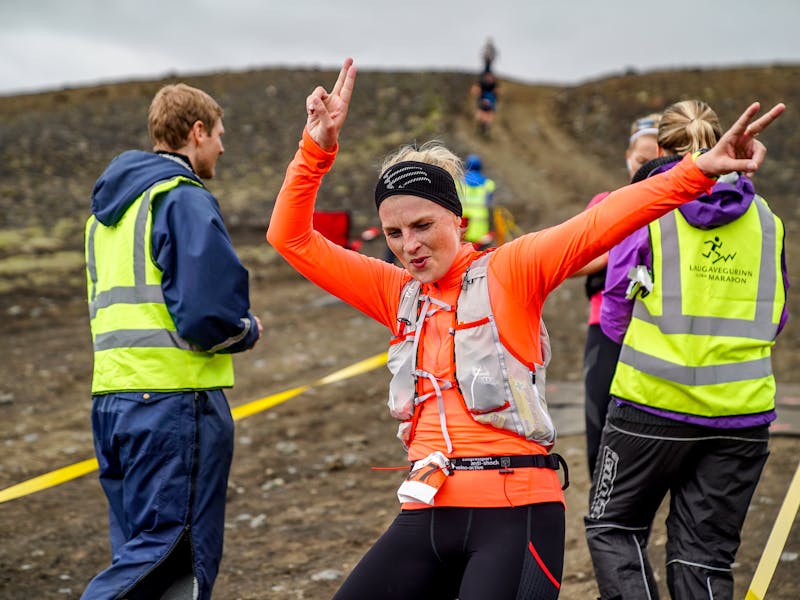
[368, 284]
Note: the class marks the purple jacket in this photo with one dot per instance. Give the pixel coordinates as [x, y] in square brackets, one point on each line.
[730, 197]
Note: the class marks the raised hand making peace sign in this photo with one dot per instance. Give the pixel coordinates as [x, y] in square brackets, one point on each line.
[738, 149]
[327, 111]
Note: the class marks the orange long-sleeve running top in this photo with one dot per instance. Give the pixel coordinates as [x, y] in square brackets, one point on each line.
[521, 274]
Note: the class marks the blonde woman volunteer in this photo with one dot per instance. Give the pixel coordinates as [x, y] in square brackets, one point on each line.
[696, 299]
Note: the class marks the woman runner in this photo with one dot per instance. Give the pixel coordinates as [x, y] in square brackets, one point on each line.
[482, 510]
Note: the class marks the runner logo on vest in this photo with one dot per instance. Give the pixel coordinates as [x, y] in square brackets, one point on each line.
[723, 271]
[714, 246]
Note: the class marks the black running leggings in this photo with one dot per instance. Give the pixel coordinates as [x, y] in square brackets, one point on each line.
[465, 553]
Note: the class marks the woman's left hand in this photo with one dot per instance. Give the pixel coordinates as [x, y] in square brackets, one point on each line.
[327, 111]
[738, 149]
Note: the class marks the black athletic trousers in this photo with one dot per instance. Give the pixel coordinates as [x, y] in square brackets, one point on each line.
[599, 363]
[465, 553]
[710, 475]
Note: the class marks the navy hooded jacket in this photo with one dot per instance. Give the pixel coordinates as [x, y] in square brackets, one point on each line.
[205, 285]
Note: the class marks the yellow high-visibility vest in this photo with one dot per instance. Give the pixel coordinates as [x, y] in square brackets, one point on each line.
[475, 208]
[700, 343]
[136, 345]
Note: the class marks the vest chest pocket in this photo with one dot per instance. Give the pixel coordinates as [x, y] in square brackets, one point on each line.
[480, 368]
[498, 389]
[401, 387]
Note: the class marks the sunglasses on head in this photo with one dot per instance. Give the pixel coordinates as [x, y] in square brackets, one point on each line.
[644, 123]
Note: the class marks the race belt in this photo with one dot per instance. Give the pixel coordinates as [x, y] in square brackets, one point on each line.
[507, 464]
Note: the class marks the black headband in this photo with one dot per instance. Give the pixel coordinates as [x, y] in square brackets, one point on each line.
[419, 179]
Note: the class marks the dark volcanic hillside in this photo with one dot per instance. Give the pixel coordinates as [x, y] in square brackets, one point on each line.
[303, 504]
[552, 149]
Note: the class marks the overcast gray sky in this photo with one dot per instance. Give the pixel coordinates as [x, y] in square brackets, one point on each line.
[47, 44]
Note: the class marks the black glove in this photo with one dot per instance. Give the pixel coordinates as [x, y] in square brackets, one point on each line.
[595, 283]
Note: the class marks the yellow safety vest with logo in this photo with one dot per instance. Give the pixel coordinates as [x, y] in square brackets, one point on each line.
[700, 343]
[475, 208]
[136, 345]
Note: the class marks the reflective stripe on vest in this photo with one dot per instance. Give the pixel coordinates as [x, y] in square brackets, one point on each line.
[136, 346]
[496, 388]
[680, 353]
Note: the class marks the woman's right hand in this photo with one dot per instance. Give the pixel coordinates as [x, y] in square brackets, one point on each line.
[327, 111]
[738, 149]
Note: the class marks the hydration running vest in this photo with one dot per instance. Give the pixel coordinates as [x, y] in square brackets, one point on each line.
[136, 345]
[700, 342]
[496, 388]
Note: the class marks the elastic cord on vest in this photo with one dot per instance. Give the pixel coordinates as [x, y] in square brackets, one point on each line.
[419, 179]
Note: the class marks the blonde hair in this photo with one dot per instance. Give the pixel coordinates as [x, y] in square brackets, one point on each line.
[174, 111]
[688, 126]
[432, 152]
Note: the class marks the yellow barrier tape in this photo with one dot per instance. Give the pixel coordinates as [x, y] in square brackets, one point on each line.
[51, 479]
[776, 541]
[251, 408]
[363, 366]
[64, 474]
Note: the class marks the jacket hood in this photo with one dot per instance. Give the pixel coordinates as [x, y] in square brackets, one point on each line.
[729, 198]
[127, 177]
[473, 163]
[474, 178]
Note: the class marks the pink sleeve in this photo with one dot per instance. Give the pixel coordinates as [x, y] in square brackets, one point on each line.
[596, 199]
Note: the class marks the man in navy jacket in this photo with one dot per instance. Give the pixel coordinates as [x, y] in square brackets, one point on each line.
[169, 304]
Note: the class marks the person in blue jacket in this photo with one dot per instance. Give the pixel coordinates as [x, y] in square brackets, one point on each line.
[168, 306]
